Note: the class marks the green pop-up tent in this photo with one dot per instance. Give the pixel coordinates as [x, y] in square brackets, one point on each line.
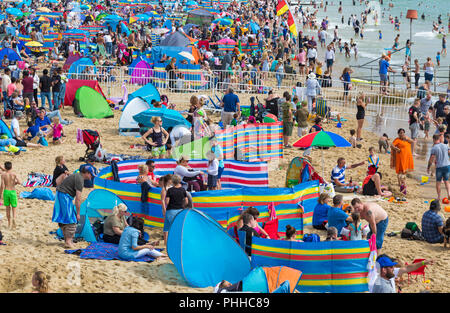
[91, 103]
[196, 149]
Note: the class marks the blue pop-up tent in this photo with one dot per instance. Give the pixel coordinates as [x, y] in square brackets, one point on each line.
[170, 118]
[203, 253]
[147, 92]
[11, 54]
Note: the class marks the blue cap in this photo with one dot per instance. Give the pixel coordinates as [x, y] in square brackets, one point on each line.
[91, 170]
[384, 261]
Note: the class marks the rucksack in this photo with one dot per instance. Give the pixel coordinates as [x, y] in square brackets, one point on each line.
[98, 228]
[412, 226]
[311, 238]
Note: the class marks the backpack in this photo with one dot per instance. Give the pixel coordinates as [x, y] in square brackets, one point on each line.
[98, 228]
[7, 114]
[311, 238]
[412, 226]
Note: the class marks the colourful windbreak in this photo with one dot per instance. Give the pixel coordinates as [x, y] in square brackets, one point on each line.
[327, 266]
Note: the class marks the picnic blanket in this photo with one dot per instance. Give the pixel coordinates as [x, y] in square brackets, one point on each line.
[105, 251]
[38, 180]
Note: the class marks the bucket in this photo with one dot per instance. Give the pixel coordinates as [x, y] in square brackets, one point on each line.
[425, 179]
[447, 208]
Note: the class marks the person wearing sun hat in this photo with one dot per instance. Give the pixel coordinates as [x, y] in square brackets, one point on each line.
[385, 282]
[312, 87]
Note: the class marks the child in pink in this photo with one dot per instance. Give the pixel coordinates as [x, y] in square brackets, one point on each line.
[57, 131]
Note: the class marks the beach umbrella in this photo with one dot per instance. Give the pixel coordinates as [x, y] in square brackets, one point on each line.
[44, 9]
[43, 19]
[187, 55]
[34, 44]
[160, 31]
[223, 21]
[100, 16]
[148, 8]
[188, 27]
[170, 118]
[14, 11]
[52, 1]
[227, 41]
[191, 3]
[100, 7]
[322, 139]
[85, 7]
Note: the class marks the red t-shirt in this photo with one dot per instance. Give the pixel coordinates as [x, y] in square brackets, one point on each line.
[27, 83]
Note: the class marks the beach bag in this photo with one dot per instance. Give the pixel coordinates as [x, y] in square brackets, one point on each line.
[329, 189]
[311, 238]
[412, 226]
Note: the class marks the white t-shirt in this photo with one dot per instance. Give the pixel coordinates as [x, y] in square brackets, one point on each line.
[329, 55]
[15, 127]
[378, 287]
[213, 168]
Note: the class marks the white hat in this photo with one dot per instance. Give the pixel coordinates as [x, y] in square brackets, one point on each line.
[311, 75]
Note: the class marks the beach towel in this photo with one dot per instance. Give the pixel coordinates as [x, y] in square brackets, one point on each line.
[105, 251]
[39, 193]
[38, 180]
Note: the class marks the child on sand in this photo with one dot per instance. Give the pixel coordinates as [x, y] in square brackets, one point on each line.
[212, 170]
[374, 160]
[438, 58]
[9, 194]
[40, 282]
[57, 131]
[352, 139]
[355, 230]
[383, 143]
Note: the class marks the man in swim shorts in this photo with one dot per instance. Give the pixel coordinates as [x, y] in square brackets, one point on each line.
[65, 213]
[9, 194]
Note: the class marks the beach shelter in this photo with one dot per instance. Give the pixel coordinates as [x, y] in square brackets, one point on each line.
[203, 253]
[97, 205]
[176, 39]
[200, 17]
[14, 12]
[196, 149]
[81, 66]
[127, 125]
[91, 103]
[147, 93]
[269, 279]
[170, 118]
[141, 72]
[299, 171]
[4, 129]
[11, 54]
[74, 84]
[70, 59]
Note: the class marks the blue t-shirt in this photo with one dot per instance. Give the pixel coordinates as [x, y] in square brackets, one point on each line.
[44, 122]
[230, 101]
[346, 77]
[218, 151]
[33, 130]
[336, 218]
[384, 67]
[339, 174]
[320, 214]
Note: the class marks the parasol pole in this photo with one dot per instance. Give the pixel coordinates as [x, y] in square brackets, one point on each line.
[323, 166]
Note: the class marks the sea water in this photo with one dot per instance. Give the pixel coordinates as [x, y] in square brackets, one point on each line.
[426, 43]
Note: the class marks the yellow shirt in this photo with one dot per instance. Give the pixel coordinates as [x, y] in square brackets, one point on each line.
[319, 71]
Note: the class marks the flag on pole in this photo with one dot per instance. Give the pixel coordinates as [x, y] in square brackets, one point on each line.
[292, 25]
[282, 7]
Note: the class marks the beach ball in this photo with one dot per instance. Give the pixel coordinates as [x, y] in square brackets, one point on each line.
[445, 201]
[339, 125]
[447, 208]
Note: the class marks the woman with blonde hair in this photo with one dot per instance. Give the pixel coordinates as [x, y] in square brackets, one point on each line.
[156, 138]
[320, 216]
[115, 224]
[40, 282]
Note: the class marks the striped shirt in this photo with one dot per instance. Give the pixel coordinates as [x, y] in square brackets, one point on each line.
[339, 174]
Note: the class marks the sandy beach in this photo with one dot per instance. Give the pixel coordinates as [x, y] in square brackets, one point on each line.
[31, 247]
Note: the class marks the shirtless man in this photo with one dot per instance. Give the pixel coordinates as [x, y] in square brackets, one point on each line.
[9, 194]
[376, 216]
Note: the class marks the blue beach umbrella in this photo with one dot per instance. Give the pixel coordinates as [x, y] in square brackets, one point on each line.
[14, 11]
[170, 118]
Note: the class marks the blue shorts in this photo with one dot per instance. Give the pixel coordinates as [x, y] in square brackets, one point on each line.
[381, 229]
[168, 220]
[442, 173]
[329, 62]
[383, 77]
[221, 169]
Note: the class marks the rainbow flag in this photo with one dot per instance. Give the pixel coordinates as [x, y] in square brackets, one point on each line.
[327, 266]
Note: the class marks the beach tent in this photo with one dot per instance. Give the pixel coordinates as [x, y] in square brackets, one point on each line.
[81, 66]
[147, 93]
[200, 17]
[299, 171]
[196, 149]
[70, 59]
[203, 253]
[141, 73]
[4, 129]
[268, 279]
[10, 54]
[176, 39]
[170, 118]
[91, 103]
[74, 84]
[98, 205]
[127, 125]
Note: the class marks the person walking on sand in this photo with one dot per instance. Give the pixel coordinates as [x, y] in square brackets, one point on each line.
[65, 213]
[439, 154]
[9, 194]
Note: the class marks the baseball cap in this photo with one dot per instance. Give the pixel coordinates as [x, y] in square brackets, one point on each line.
[385, 261]
[90, 169]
